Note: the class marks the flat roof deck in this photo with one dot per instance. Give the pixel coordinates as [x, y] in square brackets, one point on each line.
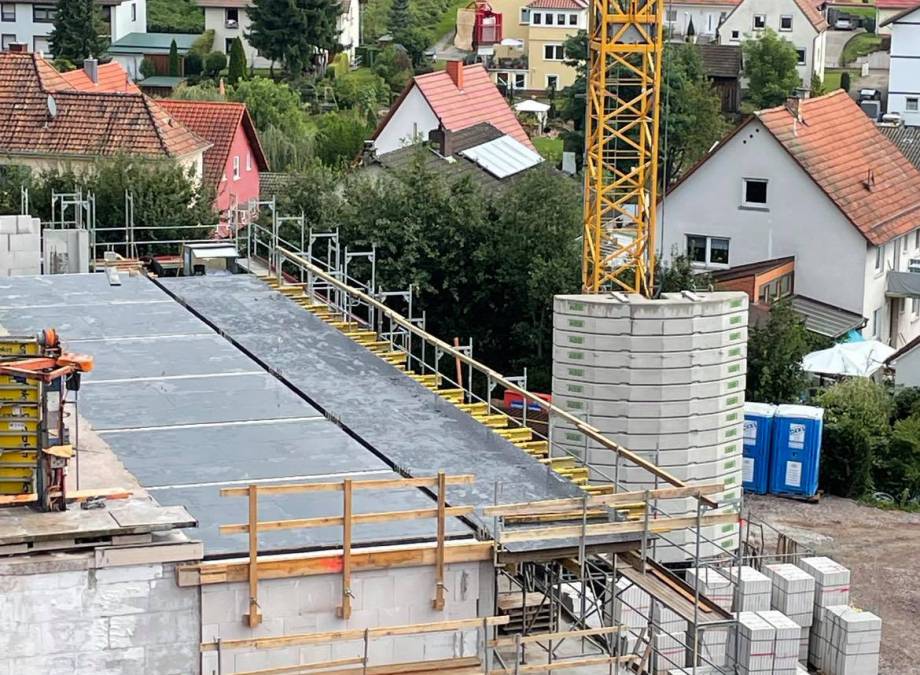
[188, 413]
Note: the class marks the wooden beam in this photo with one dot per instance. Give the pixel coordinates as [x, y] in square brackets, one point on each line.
[254, 618]
[566, 663]
[354, 634]
[384, 484]
[615, 499]
[655, 526]
[546, 637]
[304, 667]
[345, 609]
[357, 519]
[466, 665]
[330, 562]
[438, 602]
[71, 496]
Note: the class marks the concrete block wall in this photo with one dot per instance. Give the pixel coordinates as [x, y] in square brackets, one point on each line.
[20, 246]
[665, 378]
[308, 604]
[61, 614]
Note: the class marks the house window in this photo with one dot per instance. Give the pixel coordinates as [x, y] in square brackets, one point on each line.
[800, 53]
[133, 12]
[760, 21]
[501, 79]
[736, 35]
[755, 192]
[552, 81]
[785, 22]
[916, 239]
[520, 81]
[8, 12]
[879, 258]
[553, 52]
[228, 45]
[8, 39]
[40, 44]
[236, 167]
[912, 104]
[232, 17]
[248, 161]
[549, 19]
[672, 15]
[707, 250]
[573, 19]
[915, 307]
[525, 15]
[776, 289]
[536, 18]
[43, 13]
[876, 321]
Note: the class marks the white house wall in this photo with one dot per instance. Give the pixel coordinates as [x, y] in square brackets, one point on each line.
[412, 120]
[907, 369]
[802, 35]
[121, 19]
[215, 19]
[896, 257]
[706, 18]
[24, 28]
[904, 75]
[800, 219]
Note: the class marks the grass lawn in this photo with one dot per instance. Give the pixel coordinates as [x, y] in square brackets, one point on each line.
[859, 45]
[865, 11]
[832, 77]
[549, 148]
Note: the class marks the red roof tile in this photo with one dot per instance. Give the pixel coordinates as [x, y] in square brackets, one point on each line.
[83, 124]
[558, 4]
[478, 101]
[812, 14]
[216, 121]
[895, 4]
[112, 78]
[863, 172]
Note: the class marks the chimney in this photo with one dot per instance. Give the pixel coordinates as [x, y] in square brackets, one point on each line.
[455, 70]
[443, 139]
[19, 47]
[792, 105]
[91, 68]
[869, 183]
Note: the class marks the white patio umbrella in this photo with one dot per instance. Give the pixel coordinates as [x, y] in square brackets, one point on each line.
[859, 359]
[529, 105]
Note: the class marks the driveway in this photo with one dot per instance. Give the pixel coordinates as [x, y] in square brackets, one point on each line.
[836, 39]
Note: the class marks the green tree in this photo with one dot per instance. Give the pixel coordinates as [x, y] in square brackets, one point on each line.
[774, 358]
[293, 31]
[174, 16]
[394, 65]
[341, 137]
[193, 64]
[214, 63]
[856, 430]
[897, 467]
[237, 69]
[817, 85]
[572, 106]
[77, 31]
[770, 66]
[363, 90]
[400, 18]
[271, 104]
[845, 80]
[678, 275]
[174, 65]
[147, 68]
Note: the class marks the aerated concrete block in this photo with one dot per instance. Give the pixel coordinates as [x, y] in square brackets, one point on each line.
[793, 592]
[712, 584]
[8, 224]
[752, 589]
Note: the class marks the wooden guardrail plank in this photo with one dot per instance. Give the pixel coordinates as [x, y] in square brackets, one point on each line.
[382, 484]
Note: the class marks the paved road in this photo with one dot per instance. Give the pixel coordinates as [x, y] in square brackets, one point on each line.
[836, 39]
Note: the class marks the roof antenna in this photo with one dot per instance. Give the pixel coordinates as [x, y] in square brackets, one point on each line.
[869, 183]
[52, 107]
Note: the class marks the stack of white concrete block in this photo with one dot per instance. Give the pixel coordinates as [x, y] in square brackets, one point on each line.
[20, 246]
[765, 642]
[632, 608]
[670, 652]
[847, 641]
[793, 594]
[712, 584]
[665, 378]
[832, 588]
[753, 590]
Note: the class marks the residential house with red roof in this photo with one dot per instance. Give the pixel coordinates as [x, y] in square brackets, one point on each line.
[529, 53]
[96, 77]
[698, 19]
[885, 10]
[797, 21]
[45, 121]
[816, 181]
[235, 159]
[904, 71]
[446, 101]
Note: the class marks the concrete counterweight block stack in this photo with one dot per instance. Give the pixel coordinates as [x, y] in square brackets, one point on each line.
[665, 378]
[753, 590]
[20, 246]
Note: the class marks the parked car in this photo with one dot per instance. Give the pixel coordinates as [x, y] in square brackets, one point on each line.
[843, 24]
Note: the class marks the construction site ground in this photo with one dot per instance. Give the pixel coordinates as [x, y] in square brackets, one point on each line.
[881, 548]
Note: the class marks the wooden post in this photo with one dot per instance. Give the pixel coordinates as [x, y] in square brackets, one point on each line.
[345, 610]
[438, 603]
[254, 618]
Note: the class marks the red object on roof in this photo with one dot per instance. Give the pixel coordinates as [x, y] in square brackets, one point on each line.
[111, 78]
[895, 4]
[864, 173]
[488, 27]
[229, 127]
[558, 4]
[479, 100]
[77, 123]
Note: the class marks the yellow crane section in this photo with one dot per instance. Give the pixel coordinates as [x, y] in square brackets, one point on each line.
[625, 50]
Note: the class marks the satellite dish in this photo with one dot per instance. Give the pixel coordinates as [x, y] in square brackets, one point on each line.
[52, 106]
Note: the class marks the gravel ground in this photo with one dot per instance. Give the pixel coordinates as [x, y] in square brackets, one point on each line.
[882, 550]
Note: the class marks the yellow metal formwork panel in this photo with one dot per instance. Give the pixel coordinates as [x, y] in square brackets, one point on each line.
[19, 346]
[20, 394]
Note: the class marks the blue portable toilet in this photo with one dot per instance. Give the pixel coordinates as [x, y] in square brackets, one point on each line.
[758, 438]
[796, 450]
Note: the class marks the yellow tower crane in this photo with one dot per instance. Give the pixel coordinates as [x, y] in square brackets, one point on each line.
[625, 50]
